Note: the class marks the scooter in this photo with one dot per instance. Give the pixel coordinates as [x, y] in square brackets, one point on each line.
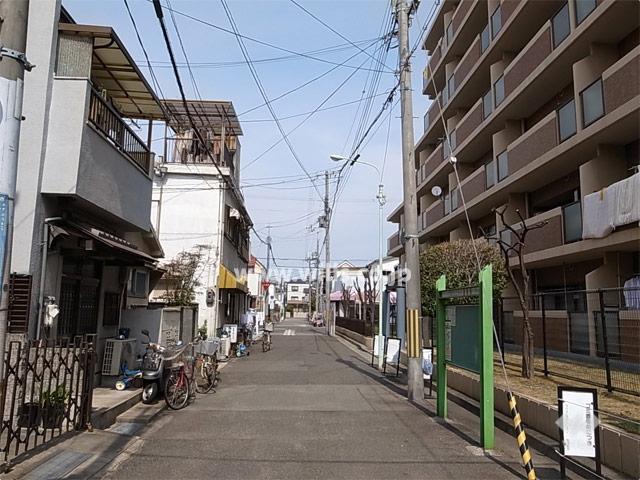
[152, 370]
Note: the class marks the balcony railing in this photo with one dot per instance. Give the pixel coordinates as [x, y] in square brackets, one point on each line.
[572, 222]
[393, 241]
[109, 122]
[526, 62]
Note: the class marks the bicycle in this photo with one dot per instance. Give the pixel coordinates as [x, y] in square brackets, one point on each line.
[180, 385]
[266, 341]
[207, 376]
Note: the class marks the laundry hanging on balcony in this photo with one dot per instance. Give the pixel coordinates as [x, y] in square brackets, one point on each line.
[611, 207]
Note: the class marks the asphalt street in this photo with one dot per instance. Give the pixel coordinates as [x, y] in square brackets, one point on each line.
[310, 408]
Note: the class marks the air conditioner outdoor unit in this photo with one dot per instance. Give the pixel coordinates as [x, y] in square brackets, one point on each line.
[117, 352]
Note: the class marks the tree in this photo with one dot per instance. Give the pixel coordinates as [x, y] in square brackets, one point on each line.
[346, 301]
[516, 246]
[457, 260]
[368, 294]
[183, 277]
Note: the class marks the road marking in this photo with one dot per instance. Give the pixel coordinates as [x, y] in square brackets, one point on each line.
[289, 331]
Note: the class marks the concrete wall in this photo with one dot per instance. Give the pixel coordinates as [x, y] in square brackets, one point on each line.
[82, 162]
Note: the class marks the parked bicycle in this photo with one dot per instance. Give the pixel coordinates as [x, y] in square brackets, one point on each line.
[266, 335]
[206, 367]
[180, 385]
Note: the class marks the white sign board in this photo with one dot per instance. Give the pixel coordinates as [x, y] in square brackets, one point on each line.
[376, 343]
[232, 330]
[578, 424]
[427, 363]
[393, 350]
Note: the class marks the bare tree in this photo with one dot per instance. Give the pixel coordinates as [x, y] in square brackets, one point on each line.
[183, 277]
[368, 294]
[346, 300]
[516, 246]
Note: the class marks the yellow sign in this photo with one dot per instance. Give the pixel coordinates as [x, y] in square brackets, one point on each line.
[226, 279]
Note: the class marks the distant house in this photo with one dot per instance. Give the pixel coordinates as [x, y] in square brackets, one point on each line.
[297, 296]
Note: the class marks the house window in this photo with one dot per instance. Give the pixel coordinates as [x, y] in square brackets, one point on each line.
[138, 283]
[567, 120]
[503, 166]
[490, 173]
[487, 104]
[584, 8]
[485, 38]
[498, 91]
[111, 309]
[592, 103]
[294, 288]
[496, 22]
[561, 25]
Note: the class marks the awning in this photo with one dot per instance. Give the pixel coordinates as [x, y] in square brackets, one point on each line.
[111, 241]
[226, 279]
[208, 114]
[114, 70]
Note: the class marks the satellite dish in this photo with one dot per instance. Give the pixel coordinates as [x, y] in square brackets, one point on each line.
[436, 191]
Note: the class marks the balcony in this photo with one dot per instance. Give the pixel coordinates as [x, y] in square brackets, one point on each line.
[534, 143]
[469, 122]
[525, 63]
[393, 243]
[474, 184]
[93, 156]
[621, 81]
[433, 213]
[467, 62]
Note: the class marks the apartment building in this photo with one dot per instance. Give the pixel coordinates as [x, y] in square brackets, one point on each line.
[540, 103]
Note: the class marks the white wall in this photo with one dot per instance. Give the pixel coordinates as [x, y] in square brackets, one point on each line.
[190, 215]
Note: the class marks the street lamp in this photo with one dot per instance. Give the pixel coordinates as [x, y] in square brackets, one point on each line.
[381, 202]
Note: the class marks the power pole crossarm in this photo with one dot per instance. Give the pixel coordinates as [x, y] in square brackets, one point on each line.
[415, 383]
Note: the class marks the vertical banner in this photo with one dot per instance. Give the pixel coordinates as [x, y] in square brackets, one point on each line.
[4, 220]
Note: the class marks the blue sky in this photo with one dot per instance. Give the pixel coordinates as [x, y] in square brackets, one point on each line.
[280, 22]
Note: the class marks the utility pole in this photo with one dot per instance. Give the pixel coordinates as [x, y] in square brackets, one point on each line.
[267, 307]
[381, 202]
[13, 63]
[317, 255]
[327, 258]
[415, 382]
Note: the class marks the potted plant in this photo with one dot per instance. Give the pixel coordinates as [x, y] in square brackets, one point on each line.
[54, 403]
[29, 415]
[202, 331]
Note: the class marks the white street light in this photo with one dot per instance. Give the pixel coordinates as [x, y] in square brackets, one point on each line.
[381, 202]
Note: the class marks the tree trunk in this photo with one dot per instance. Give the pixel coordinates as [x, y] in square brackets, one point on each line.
[527, 344]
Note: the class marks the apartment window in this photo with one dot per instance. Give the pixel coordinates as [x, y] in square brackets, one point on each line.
[490, 173]
[567, 120]
[453, 138]
[447, 203]
[503, 165]
[449, 33]
[451, 85]
[584, 8]
[498, 91]
[454, 199]
[561, 26]
[445, 96]
[496, 22]
[489, 231]
[485, 39]
[487, 104]
[592, 103]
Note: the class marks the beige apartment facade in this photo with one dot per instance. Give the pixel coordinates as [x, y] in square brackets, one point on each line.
[539, 100]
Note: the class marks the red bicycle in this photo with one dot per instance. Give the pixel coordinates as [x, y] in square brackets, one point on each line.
[180, 385]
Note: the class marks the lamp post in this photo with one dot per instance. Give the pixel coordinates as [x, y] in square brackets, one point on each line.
[382, 200]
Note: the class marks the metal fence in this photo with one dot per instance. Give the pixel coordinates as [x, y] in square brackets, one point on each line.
[47, 392]
[590, 336]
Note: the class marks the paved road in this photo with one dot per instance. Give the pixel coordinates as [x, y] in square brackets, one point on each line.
[310, 408]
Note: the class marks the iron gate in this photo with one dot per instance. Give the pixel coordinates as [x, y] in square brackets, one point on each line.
[47, 392]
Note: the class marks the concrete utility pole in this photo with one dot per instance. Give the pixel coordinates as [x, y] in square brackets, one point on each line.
[327, 259]
[415, 386]
[317, 258]
[381, 202]
[267, 306]
[13, 63]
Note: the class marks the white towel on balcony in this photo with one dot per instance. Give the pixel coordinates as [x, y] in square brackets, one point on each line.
[598, 212]
[628, 205]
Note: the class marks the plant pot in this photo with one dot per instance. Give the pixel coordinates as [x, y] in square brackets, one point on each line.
[29, 415]
[53, 416]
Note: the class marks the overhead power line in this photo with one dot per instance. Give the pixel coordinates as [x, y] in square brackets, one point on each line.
[319, 20]
[255, 40]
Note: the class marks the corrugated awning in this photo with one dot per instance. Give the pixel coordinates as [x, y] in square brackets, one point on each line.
[114, 70]
[206, 114]
[226, 279]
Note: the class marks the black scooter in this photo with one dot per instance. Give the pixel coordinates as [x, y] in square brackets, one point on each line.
[152, 370]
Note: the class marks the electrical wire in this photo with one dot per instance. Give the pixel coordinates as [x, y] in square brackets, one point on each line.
[319, 20]
[255, 40]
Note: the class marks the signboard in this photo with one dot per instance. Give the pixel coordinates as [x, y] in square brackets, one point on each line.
[376, 344]
[462, 336]
[231, 329]
[392, 354]
[577, 421]
[427, 363]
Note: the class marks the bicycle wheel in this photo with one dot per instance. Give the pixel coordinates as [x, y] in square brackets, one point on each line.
[265, 343]
[204, 375]
[176, 390]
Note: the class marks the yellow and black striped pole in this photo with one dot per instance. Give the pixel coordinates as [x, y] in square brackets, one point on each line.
[413, 334]
[521, 438]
